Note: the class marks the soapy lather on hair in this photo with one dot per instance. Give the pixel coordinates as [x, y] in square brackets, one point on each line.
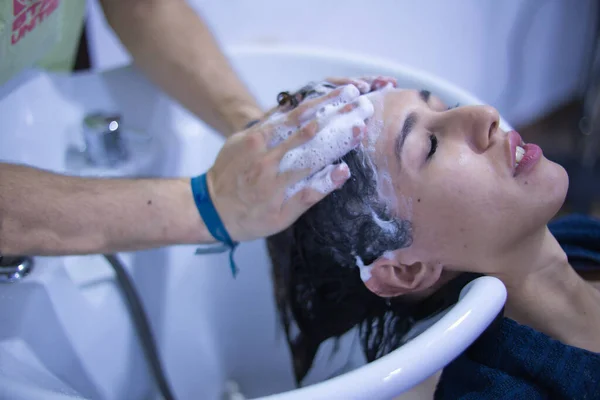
[341, 124]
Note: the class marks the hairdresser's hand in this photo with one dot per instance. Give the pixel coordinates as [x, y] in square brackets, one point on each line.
[320, 88]
[364, 84]
[251, 179]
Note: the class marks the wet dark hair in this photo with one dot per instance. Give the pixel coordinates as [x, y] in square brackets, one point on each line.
[317, 284]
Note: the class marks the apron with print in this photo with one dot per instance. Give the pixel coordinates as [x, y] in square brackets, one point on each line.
[39, 33]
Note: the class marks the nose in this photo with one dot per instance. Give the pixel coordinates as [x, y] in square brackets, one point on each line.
[476, 124]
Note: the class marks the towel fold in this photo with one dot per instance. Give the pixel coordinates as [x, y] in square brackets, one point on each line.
[579, 237]
[513, 361]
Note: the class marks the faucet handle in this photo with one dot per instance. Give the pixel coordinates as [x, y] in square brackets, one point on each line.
[13, 269]
[104, 142]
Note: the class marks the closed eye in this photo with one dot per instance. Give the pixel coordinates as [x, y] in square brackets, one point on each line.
[433, 140]
[433, 146]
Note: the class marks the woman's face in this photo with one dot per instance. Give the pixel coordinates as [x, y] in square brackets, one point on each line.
[452, 173]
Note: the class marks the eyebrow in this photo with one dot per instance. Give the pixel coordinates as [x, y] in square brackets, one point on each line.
[407, 127]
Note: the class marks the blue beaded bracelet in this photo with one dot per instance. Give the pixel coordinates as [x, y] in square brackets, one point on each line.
[213, 222]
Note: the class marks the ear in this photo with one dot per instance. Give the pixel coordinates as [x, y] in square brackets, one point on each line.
[391, 278]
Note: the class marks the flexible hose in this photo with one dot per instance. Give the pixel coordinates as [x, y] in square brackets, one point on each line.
[142, 327]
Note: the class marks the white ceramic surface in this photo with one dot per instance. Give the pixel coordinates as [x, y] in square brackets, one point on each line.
[210, 328]
[524, 57]
[397, 372]
[68, 312]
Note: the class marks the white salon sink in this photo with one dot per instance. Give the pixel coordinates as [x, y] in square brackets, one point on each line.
[46, 335]
[68, 315]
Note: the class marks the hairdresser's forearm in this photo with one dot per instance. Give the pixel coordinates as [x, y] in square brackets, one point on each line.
[175, 49]
[42, 213]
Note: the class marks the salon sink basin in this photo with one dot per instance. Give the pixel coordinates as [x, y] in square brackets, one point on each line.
[67, 318]
[35, 118]
[43, 335]
[68, 321]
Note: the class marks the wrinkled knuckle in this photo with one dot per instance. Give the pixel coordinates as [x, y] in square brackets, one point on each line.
[253, 174]
[309, 131]
[334, 93]
[254, 141]
[296, 115]
[265, 164]
[308, 197]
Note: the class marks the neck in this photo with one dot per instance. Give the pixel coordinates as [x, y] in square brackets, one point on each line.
[545, 293]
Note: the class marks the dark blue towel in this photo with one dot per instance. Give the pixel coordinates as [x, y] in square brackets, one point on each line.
[512, 361]
[579, 236]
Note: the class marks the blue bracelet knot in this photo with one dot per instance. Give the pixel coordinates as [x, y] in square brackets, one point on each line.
[213, 222]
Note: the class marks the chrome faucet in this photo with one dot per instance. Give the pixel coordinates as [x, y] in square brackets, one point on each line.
[104, 142]
[13, 269]
[108, 147]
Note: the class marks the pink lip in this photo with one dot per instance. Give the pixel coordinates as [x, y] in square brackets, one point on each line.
[533, 153]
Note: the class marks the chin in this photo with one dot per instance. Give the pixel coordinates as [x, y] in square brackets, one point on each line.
[556, 185]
